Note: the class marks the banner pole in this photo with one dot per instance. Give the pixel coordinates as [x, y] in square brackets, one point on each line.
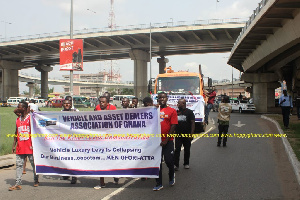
[71, 37]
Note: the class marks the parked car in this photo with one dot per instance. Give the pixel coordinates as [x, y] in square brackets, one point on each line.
[81, 102]
[57, 103]
[242, 106]
[4, 104]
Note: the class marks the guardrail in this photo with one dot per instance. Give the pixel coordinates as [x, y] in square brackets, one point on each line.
[128, 27]
[251, 18]
[31, 76]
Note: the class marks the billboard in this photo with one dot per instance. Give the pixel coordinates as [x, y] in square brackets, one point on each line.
[71, 54]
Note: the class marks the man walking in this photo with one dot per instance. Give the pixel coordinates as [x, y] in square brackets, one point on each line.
[169, 119]
[184, 131]
[104, 105]
[286, 105]
[223, 120]
[210, 102]
[24, 145]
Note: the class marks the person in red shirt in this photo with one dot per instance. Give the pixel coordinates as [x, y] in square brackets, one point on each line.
[109, 106]
[24, 145]
[210, 102]
[168, 123]
[104, 105]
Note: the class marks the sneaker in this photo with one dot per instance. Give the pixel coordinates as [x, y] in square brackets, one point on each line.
[97, 187]
[158, 187]
[15, 187]
[224, 144]
[218, 144]
[172, 182]
[74, 180]
[176, 168]
[186, 166]
[36, 184]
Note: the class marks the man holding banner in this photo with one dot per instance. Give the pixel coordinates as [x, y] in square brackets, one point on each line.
[168, 123]
[24, 146]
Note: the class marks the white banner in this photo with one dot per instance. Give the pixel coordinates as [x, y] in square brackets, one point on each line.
[114, 143]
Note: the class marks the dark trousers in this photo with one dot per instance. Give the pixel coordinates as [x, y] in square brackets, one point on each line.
[286, 115]
[208, 107]
[298, 112]
[223, 129]
[168, 155]
[186, 142]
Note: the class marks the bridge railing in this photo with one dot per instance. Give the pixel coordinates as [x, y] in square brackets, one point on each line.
[38, 77]
[123, 28]
[251, 18]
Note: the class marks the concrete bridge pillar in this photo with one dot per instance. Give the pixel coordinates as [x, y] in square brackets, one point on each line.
[140, 59]
[44, 69]
[264, 85]
[10, 79]
[162, 64]
[31, 89]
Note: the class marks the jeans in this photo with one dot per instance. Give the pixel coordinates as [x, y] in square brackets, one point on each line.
[286, 115]
[19, 167]
[168, 154]
[186, 142]
[208, 107]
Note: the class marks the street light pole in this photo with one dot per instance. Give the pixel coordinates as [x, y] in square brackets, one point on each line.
[232, 82]
[5, 28]
[71, 37]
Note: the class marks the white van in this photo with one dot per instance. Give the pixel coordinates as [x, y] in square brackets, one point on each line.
[40, 102]
[117, 99]
[14, 101]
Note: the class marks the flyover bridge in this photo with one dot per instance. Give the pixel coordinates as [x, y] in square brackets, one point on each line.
[132, 42]
[268, 50]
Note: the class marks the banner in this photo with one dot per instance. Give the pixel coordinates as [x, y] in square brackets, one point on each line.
[195, 103]
[113, 143]
[71, 54]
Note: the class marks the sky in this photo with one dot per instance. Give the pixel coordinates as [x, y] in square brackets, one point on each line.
[22, 18]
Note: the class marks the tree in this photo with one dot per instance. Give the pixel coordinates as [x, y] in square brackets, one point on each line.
[112, 91]
[25, 92]
[37, 90]
[50, 90]
[128, 91]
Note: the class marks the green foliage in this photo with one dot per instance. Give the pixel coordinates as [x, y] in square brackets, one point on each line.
[37, 90]
[50, 90]
[128, 91]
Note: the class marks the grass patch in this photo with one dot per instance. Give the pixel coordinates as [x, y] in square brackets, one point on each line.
[293, 133]
[8, 126]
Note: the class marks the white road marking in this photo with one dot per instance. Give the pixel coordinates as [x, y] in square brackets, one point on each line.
[134, 180]
[238, 124]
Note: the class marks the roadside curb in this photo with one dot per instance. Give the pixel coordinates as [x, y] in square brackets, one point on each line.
[291, 155]
[7, 160]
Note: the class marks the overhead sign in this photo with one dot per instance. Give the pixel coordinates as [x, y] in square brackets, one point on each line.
[71, 54]
[113, 143]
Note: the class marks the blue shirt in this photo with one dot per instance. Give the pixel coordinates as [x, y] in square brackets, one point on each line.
[287, 102]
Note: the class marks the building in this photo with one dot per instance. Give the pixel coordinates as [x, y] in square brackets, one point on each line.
[100, 77]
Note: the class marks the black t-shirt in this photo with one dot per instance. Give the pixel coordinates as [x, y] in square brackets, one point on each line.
[184, 121]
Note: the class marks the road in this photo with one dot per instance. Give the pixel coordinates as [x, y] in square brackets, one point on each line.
[248, 168]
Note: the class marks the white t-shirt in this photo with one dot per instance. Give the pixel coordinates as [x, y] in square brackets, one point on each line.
[33, 107]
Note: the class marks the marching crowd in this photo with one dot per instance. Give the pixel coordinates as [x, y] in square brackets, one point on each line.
[181, 121]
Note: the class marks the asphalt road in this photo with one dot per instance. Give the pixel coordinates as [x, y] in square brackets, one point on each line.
[248, 168]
